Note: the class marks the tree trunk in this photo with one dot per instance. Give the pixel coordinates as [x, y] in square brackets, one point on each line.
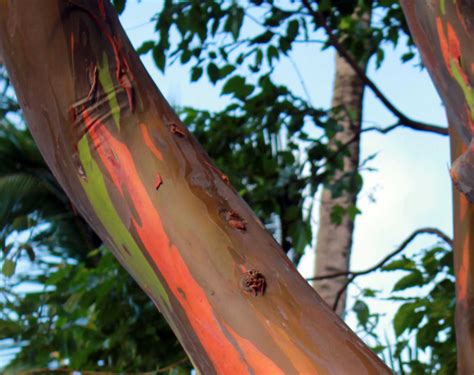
[443, 31]
[145, 185]
[334, 241]
[463, 213]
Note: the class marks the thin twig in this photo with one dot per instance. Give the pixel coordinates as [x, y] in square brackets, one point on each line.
[302, 82]
[386, 130]
[403, 119]
[351, 275]
[398, 250]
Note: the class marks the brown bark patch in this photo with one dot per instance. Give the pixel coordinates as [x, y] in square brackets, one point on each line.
[235, 220]
[254, 282]
[176, 130]
[158, 182]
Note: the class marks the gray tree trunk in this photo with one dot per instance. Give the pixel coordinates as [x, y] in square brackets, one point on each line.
[334, 242]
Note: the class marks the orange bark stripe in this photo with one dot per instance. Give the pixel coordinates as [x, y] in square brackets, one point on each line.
[258, 362]
[453, 42]
[119, 163]
[462, 273]
[443, 42]
[455, 51]
[149, 142]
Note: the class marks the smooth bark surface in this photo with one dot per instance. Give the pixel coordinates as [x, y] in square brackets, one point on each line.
[444, 33]
[334, 243]
[464, 267]
[143, 183]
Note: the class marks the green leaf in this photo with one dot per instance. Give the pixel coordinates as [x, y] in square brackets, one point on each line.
[337, 214]
[353, 211]
[58, 276]
[345, 23]
[8, 268]
[302, 237]
[29, 251]
[234, 20]
[400, 264]
[235, 85]
[20, 223]
[146, 47]
[186, 56]
[196, 73]
[407, 56]
[258, 58]
[263, 38]
[380, 56]
[119, 5]
[426, 336]
[403, 317]
[292, 30]
[213, 72]
[72, 302]
[225, 71]
[362, 312]
[284, 44]
[159, 57]
[272, 53]
[414, 278]
[367, 292]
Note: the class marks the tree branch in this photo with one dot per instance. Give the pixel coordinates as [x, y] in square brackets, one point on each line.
[353, 274]
[398, 250]
[403, 119]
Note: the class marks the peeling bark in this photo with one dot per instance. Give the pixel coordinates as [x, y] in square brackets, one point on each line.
[234, 300]
[444, 33]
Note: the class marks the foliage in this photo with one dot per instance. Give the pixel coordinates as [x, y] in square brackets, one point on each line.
[423, 324]
[87, 318]
[69, 302]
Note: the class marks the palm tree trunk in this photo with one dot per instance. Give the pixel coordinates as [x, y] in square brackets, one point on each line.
[146, 186]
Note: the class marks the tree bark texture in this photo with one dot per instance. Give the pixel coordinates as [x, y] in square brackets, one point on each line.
[464, 267]
[334, 241]
[152, 194]
[443, 31]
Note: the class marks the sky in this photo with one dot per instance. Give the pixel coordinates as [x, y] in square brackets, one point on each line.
[410, 188]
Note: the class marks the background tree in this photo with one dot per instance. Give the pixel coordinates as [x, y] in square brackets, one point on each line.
[334, 239]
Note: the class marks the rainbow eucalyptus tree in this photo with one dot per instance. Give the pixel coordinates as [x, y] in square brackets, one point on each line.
[151, 193]
[444, 32]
